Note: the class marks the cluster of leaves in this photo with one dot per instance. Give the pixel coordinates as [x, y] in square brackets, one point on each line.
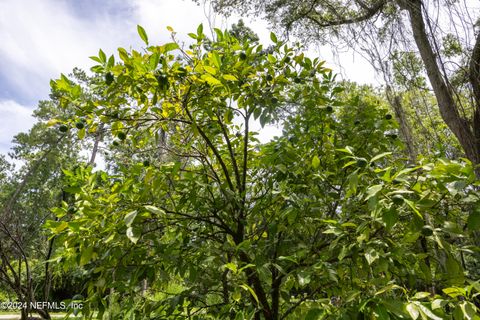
[202, 221]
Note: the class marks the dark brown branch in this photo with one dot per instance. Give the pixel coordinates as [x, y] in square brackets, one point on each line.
[208, 142]
[369, 13]
[474, 73]
[232, 154]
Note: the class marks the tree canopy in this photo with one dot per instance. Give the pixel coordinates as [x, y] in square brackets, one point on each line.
[441, 37]
[194, 218]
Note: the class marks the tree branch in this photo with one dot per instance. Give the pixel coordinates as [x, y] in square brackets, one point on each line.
[369, 13]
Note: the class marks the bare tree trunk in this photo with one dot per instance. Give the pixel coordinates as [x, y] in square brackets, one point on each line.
[395, 101]
[446, 103]
[475, 83]
[98, 139]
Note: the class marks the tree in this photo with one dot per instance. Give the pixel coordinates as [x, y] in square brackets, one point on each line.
[445, 49]
[26, 196]
[324, 221]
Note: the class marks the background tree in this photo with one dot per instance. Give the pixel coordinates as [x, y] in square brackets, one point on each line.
[27, 195]
[396, 25]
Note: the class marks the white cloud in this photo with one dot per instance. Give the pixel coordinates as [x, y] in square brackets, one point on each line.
[41, 39]
[14, 119]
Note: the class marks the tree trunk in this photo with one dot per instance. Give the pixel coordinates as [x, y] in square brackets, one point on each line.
[460, 127]
[474, 74]
[396, 102]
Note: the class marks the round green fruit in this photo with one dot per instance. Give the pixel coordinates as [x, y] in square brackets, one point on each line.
[162, 82]
[362, 162]
[397, 199]
[388, 116]
[287, 59]
[427, 231]
[329, 109]
[269, 77]
[182, 71]
[242, 56]
[63, 128]
[79, 125]
[109, 78]
[115, 143]
[121, 135]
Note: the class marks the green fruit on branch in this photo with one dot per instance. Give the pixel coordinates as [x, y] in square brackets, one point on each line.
[397, 199]
[63, 128]
[109, 78]
[121, 135]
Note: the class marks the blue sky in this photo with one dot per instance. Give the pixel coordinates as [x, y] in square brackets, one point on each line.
[43, 38]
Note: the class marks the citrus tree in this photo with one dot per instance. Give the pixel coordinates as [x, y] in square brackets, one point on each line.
[195, 218]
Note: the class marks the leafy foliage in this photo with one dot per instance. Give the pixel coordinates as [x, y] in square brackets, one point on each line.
[195, 218]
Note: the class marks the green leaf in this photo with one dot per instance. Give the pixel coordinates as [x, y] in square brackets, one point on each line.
[81, 133]
[211, 80]
[142, 34]
[216, 60]
[232, 267]
[210, 70]
[390, 217]
[230, 77]
[454, 292]
[102, 56]
[347, 149]
[380, 156]
[421, 295]
[200, 29]
[389, 288]
[249, 289]
[315, 162]
[382, 312]
[129, 217]
[314, 314]
[304, 278]
[469, 310]
[111, 61]
[413, 310]
[123, 54]
[236, 296]
[132, 235]
[62, 226]
[438, 304]
[154, 210]
[169, 47]
[86, 256]
[473, 221]
[373, 190]
[413, 207]
[219, 34]
[273, 37]
[371, 255]
[96, 59]
[428, 312]
[250, 265]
